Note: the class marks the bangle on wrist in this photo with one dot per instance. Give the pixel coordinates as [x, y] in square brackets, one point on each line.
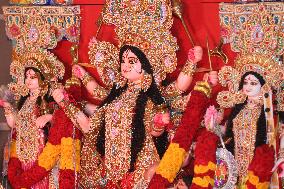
[86, 79]
[203, 87]
[189, 68]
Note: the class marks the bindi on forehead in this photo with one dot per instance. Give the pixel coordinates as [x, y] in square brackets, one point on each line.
[126, 53]
[30, 73]
[251, 78]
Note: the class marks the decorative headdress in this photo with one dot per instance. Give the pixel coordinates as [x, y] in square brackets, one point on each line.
[254, 30]
[46, 62]
[34, 29]
[142, 24]
[41, 26]
[41, 2]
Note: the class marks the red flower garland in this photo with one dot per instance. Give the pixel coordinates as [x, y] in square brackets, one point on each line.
[205, 152]
[262, 163]
[62, 127]
[191, 120]
[186, 131]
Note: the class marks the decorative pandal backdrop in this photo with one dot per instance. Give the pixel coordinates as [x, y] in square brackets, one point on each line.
[41, 26]
[253, 27]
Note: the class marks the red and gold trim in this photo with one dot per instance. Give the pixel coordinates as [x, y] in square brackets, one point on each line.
[174, 156]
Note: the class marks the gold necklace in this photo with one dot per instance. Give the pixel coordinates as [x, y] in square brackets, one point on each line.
[27, 143]
[244, 128]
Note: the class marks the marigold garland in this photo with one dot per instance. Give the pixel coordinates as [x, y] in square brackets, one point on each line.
[59, 140]
[254, 180]
[13, 149]
[171, 162]
[47, 159]
[184, 136]
[67, 152]
[203, 182]
[200, 169]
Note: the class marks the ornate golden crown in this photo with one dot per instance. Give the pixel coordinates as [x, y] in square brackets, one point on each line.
[254, 30]
[143, 24]
[41, 59]
[271, 71]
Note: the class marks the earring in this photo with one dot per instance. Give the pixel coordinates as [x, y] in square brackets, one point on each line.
[146, 82]
[23, 90]
[120, 81]
[44, 89]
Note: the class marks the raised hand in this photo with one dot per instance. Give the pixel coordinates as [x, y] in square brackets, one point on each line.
[58, 95]
[195, 54]
[43, 120]
[78, 71]
[212, 78]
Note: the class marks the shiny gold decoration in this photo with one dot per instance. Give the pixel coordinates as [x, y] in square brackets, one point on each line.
[271, 71]
[40, 2]
[73, 80]
[104, 56]
[41, 26]
[253, 27]
[218, 51]
[8, 111]
[146, 82]
[203, 87]
[178, 11]
[171, 90]
[142, 24]
[189, 68]
[245, 126]
[120, 81]
[86, 79]
[43, 60]
[280, 101]
[28, 135]
[208, 53]
[118, 121]
[100, 92]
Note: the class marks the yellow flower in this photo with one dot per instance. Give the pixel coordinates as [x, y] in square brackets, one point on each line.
[203, 182]
[66, 161]
[200, 169]
[171, 162]
[13, 149]
[49, 156]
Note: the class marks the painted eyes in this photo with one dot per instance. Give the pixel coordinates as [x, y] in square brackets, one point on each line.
[253, 83]
[130, 61]
[31, 77]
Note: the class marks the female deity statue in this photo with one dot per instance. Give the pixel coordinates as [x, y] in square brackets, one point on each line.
[119, 144]
[125, 135]
[249, 132]
[249, 136]
[30, 122]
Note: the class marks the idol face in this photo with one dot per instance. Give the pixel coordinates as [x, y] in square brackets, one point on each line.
[252, 86]
[131, 67]
[31, 80]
